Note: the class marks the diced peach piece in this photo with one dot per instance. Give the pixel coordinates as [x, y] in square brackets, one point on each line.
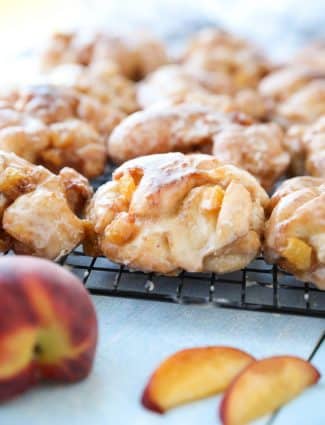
[193, 374]
[298, 253]
[13, 182]
[121, 230]
[264, 386]
[212, 199]
[126, 186]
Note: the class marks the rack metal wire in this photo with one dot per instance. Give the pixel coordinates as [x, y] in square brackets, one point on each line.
[258, 287]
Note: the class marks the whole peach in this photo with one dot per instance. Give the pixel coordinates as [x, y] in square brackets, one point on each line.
[48, 325]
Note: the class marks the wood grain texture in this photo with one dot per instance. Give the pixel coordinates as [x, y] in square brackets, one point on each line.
[136, 335]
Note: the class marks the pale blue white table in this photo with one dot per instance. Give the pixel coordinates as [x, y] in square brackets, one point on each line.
[136, 335]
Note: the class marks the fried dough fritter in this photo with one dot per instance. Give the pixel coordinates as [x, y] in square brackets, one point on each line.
[224, 62]
[56, 127]
[135, 54]
[171, 212]
[38, 209]
[295, 231]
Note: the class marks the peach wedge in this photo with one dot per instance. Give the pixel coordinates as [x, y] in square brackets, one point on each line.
[264, 386]
[193, 374]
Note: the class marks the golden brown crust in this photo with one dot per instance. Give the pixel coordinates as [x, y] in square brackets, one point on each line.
[56, 127]
[293, 143]
[282, 83]
[298, 93]
[306, 105]
[314, 143]
[101, 80]
[184, 128]
[169, 212]
[169, 81]
[306, 145]
[51, 104]
[38, 209]
[216, 56]
[135, 54]
[70, 143]
[172, 84]
[257, 148]
[295, 232]
[247, 102]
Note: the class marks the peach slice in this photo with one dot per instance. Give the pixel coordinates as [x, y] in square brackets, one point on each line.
[212, 199]
[298, 253]
[193, 374]
[264, 386]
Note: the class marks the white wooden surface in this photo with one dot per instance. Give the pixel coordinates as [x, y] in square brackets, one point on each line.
[136, 335]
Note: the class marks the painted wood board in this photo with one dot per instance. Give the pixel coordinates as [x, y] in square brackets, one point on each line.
[134, 337]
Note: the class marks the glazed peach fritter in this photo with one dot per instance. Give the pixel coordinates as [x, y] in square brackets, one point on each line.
[56, 127]
[183, 128]
[298, 93]
[257, 148]
[306, 145]
[173, 84]
[295, 231]
[101, 80]
[38, 209]
[223, 62]
[233, 139]
[171, 212]
[135, 54]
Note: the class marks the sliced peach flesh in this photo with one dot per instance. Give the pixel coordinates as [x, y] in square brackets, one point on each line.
[212, 199]
[264, 386]
[298, 253]
[193, 374]
[126, 186]
[121, 230]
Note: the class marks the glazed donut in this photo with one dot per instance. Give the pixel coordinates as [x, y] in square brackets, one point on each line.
[170, 212]
[38, 210]
[295, 231]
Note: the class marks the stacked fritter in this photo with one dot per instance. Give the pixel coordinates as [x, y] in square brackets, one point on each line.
[203, 136]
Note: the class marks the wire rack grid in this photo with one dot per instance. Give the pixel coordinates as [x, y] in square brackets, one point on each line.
[259, 287]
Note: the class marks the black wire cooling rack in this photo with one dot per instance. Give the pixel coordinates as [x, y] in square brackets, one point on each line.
[258, 287]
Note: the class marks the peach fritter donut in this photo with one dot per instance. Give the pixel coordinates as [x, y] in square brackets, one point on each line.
[306, 145]
[135, 54]
[184, 128]
[247, 102]
[298, 94]
[56, 127]
[224, 62]
[171, 212]
[281, 84]
[257, 148]
[100, 80]
[165, 83]
[172, 84]
[38, 209]
[306, 105]
[314, 141]
[295, 231]
[52, 104]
